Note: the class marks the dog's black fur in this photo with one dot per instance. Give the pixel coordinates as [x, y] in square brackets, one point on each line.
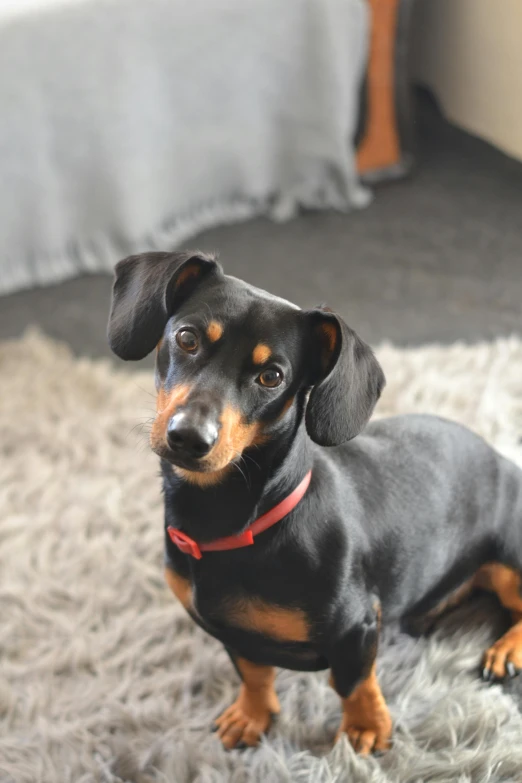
[393, 520]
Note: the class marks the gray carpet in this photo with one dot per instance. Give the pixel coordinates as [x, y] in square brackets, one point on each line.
[103, 676]
[436, 257]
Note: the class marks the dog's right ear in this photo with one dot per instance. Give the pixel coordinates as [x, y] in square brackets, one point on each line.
[147, 290]
[347, 381]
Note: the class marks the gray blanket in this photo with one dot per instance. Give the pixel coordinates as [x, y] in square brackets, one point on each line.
[128, 125]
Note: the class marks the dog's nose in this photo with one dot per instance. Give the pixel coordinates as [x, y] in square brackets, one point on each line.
[193, 438]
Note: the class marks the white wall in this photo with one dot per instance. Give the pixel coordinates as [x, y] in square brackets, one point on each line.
[469, 52]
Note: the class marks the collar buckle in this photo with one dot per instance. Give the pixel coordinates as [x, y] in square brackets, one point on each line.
[185, 543]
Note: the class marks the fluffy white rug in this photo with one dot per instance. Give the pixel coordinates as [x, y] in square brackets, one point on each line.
[104, 678]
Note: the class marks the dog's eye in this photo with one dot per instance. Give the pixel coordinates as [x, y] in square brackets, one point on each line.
[187, 340]
[270, 378]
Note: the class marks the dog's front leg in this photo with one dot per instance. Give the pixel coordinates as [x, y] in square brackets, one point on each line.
[251, 714]
[365, 719]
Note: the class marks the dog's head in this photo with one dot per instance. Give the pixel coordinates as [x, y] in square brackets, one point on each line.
[231, 361]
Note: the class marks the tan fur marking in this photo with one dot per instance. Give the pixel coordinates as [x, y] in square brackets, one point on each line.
[214, 331]
[427, 620]
[365, 718]
[261, 354]
[202, 479]
[255, 676]
[251, 714]
[274, 621]
[166, 405]
[181, 587]
[235, 436]
[503, 581]
[192, 270]
[506, 653]
[286, 407]
[330, 334]
[495, 578]
[506, 583]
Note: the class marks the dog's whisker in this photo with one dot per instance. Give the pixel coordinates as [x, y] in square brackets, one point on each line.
[143, 429]
[145, 391]
[142, 445]
[248, 456]
[236, 465]
[209, 313]
[143, 422]
[241, 460]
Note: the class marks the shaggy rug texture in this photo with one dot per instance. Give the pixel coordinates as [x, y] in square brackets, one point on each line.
[104, 678]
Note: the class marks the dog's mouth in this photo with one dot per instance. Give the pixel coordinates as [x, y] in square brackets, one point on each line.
[235, 435]
[178, 459]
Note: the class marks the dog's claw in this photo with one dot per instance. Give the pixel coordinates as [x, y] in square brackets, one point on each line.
[486, 674]
[511, 669]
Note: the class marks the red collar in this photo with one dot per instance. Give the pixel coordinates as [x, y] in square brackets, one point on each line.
[188, 546]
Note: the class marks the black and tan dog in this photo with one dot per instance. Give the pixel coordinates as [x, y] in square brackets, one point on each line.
[292, 530]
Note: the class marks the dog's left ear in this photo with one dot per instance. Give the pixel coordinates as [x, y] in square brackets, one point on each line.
[347, 381]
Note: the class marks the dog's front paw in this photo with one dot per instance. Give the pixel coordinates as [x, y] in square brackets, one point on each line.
[504, 658]
[367, 732]
[247, 719]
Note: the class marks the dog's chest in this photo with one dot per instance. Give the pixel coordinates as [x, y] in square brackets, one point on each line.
[227, 607]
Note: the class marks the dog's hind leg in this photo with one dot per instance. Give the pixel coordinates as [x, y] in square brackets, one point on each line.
[504, 658]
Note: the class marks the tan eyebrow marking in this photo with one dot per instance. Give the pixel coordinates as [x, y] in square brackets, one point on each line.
[214, 331]
[261, 354]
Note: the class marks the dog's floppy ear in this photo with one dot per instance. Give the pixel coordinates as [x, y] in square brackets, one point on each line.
[347, 381]
[146, 292]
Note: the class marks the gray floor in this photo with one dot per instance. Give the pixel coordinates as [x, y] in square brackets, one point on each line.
[436, 257]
